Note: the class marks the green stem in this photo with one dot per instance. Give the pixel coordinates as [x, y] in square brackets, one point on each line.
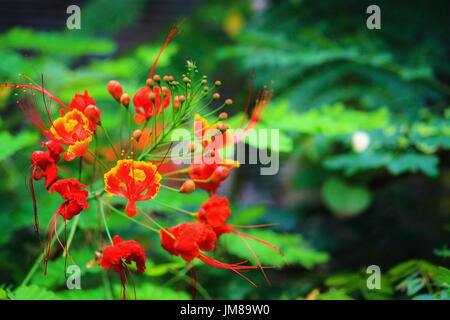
[72, 232]
[130, 218]
[38, 261]
[102, 213]
[192, 214]
[110, 142]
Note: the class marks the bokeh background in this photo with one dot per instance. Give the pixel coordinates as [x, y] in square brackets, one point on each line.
[364, 120]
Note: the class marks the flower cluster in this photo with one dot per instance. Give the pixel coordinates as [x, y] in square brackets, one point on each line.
[136, 165]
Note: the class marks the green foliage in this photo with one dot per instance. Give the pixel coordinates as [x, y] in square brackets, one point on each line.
[9, 144]
[414, 279]
[55, 43]
[295, 249]
[32, 292]
[345, 200]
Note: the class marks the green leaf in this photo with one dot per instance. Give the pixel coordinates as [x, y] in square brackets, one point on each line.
[294, 248]
[149, 291]
[10, 144]
[69, 43]
[414, 162]
[32, 292]
[344, 199]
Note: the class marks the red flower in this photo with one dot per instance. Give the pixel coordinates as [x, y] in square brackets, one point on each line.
[133, 180]
[81, 101]
[215, 212]
[44, 162]
[190, 238]
[149, 102]
[121, 252]
[70, 190]
[73, 130]
[76, 201]
[76, 108]
[187, 240]
[86, 104]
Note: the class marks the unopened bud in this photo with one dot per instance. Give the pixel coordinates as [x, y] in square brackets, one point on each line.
[115, 89]
[186, 80]
[137, 134]
[220, 174]
[150, 82]
[182, 98]
[216, 96]
[223, 116]
[125, 99]
[176, 103]
[152, 96]
[157, 78]
[218, 83]
[93, 114]
[188, 186]
[167, 78]
[228, 101]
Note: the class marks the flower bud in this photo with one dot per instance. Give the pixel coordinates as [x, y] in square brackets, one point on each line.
[176, 103]
[186, 80]
[115, 89]
[93, 114]
[152, 96]
[218, 83]
[150, 82]
[228, 101]
[188, 187]
[220, 174]
[216, 96]
[182, 98]
[157, 78]
[137, 134]
[223, 116]
[125, 99]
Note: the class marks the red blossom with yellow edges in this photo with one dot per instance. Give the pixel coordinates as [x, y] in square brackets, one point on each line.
[133, 180]
[72, 130]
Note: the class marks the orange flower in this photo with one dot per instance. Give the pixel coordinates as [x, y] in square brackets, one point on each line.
[133, 180]
[72, 130]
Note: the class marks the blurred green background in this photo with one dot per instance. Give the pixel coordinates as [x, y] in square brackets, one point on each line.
[364, 119]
